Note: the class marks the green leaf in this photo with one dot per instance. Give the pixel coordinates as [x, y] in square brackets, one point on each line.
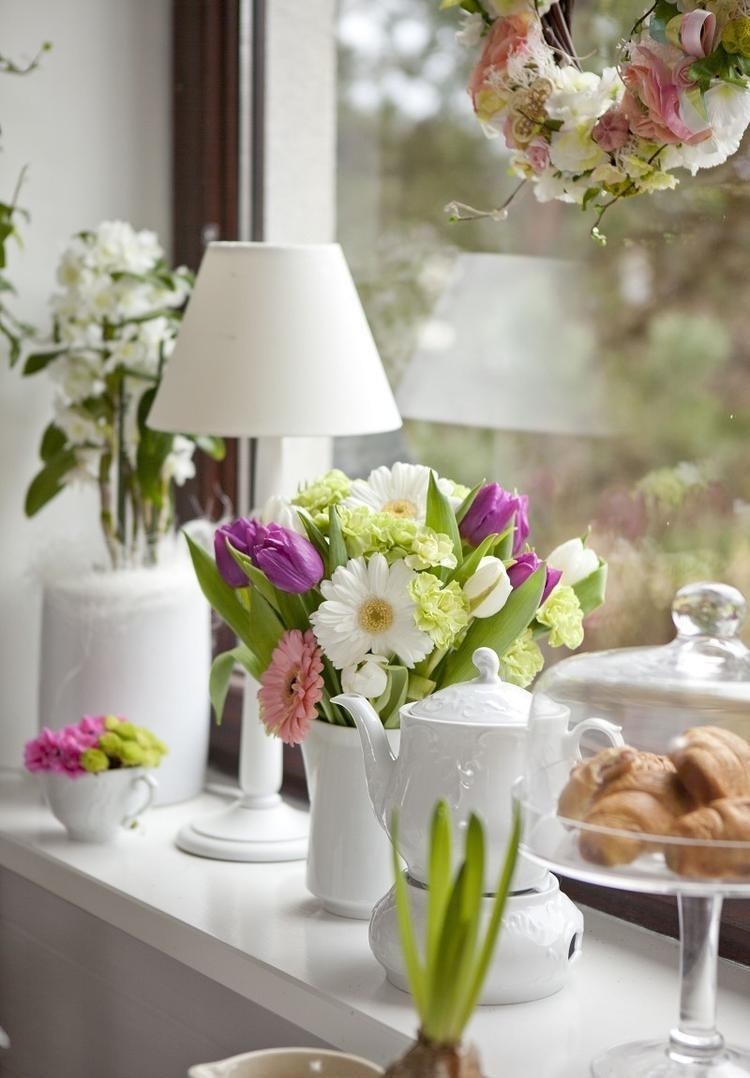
[53, 440]
[314, 534]
[222, 598]
[452, 943]
[337, 553]
[493, 928]
[471, 562]
[222, 669]
[389, 705]
[468, 501]
[39, 360]
[471, 906]
[440, 869]
[497, 632]
[440, 516]
[591, 591]
[290, 608]
[265, 628]
[153, 449]
[48, 482]
[214, 448]
[419, 686]
[414, 971]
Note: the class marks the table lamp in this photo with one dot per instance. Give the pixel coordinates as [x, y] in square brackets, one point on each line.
[274, 344]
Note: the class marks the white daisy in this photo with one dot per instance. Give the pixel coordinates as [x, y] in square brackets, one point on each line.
[368, 608]
[400, 490]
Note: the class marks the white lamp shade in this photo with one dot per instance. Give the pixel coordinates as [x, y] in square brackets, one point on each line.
[503, 350]
[274, 343]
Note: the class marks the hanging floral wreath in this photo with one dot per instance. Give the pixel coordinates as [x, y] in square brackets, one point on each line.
[678, 99]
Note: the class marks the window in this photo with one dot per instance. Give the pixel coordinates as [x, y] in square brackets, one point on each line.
[637, 418]
[639, 422]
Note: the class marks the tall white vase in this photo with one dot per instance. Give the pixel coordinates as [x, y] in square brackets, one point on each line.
[134, 643]
[349, 860]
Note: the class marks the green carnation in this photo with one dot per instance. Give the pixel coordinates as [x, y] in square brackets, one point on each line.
[131, 754]
[563, 616]
[368, 533]
[522, 661]
[110, 743]
[94, 760]
[442, 610]
[736, 36]
[430, 549]
[127, 731]
[111, 722]
[318, 497]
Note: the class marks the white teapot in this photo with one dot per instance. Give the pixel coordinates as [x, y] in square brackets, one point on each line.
[465, 745]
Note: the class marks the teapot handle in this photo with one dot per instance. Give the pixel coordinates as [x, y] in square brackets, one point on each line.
[609, 729]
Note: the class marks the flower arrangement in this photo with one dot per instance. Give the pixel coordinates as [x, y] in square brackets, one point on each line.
[385, 587]
[678, 99]
[446, 978]
[93, 745]
[114, 326]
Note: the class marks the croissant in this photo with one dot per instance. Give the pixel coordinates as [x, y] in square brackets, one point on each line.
[590, 777]
[725, 820]
[645, 802]
[712, 763]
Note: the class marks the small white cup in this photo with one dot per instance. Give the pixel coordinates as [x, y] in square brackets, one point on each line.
[288, 1063]
[94, 807]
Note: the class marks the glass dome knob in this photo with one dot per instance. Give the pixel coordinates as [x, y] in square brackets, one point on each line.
[708, 610]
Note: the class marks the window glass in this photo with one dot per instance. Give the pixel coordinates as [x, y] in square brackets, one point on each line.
[611, 384]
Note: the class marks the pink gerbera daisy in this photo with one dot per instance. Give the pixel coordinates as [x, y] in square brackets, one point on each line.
[291, 687]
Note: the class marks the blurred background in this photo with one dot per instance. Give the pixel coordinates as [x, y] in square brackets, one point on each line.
[634, 418]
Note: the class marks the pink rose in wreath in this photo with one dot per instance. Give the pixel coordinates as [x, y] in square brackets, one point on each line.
[509, 37]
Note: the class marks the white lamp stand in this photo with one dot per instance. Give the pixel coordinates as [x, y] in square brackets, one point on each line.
[274, 346]
[259, 826]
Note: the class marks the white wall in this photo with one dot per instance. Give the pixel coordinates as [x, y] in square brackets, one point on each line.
[93, 124]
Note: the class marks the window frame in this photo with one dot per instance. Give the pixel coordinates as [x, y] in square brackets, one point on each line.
[211, 202]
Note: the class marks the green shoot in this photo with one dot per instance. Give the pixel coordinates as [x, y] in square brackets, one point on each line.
[446, 983]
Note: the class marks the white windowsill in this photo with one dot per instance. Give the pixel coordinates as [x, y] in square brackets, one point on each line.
[257, 931]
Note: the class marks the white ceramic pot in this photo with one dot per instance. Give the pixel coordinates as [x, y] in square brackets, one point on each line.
[540, 939]
[349, 857]
[134, 643]
[94, 808]
[288, 1063]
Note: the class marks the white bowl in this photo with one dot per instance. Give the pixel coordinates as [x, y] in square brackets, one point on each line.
[288, 1063]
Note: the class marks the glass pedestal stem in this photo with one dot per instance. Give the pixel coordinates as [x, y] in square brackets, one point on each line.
[696, 1038]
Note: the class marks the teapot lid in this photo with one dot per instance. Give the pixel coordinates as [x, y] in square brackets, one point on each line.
[485, 699]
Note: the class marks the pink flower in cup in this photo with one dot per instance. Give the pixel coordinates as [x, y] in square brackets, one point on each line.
[611, 130]
[511, 36]
[292, 686]
[43, 752]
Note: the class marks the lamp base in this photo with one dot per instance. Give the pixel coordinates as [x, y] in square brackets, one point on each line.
[252, 829]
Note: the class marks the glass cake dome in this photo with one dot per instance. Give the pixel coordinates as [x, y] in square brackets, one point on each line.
[665, 808]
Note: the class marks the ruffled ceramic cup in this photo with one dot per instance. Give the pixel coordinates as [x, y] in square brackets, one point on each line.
[95, 807]
[288, 1063]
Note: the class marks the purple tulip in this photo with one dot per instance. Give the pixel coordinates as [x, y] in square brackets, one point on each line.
[289, 560]
[525, 565]
[492, 511]
[241, 534]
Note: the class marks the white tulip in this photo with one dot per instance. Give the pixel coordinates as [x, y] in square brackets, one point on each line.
[488, 589]
[367, 678]
[574, 560]
[278, 510]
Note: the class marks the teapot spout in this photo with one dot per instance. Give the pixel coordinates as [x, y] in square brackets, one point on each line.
[380, 763]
